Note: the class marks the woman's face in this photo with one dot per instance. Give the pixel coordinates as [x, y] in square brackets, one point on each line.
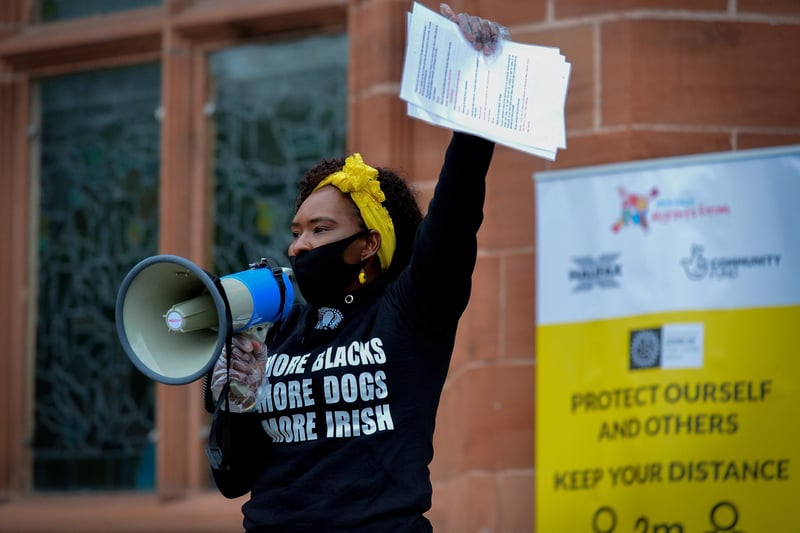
[326, 216]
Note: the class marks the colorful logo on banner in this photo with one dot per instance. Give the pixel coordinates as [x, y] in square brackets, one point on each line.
[634, 209]
[644, 210]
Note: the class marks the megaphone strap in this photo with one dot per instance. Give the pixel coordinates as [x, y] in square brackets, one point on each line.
[228, 340]
[207, 395]
[278, 273]
[219, 447]
[218, 450]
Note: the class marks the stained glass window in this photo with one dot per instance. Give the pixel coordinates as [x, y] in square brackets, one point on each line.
[94, 412]
[280, 108]
[53, 10]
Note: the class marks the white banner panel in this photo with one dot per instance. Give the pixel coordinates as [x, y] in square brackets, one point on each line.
[706, 232]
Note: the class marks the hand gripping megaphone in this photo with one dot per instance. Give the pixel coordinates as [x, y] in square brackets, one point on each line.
[173, 318]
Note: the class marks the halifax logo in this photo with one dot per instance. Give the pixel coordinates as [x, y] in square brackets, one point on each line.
[601, 272]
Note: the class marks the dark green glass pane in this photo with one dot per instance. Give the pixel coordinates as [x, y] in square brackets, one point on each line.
[94, 412]
[53, 10]
[280, 108]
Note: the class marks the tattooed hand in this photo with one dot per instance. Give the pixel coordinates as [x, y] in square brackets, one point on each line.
[246, 372]
[485, 35]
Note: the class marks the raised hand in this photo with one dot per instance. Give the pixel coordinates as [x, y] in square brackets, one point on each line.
[485, 35]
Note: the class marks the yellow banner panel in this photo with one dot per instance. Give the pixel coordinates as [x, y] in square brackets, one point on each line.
[629, 442]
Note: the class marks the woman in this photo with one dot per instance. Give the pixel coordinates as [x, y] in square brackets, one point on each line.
[342, 434]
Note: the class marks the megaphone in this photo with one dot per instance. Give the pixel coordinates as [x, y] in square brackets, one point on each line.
[172, 316]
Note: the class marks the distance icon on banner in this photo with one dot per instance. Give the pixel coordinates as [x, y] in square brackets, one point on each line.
[723, 518]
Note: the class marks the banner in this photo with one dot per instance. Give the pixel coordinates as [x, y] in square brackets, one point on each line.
[668, 373]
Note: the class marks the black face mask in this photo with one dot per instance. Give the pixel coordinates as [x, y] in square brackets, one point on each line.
[322, 274]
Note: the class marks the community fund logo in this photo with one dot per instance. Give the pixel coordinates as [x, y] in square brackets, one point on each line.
[698, 267]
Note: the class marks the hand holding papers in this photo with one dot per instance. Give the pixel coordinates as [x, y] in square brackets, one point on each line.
[484, 35]
[515, 98]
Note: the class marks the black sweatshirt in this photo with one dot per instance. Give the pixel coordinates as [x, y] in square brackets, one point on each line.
[345, 434]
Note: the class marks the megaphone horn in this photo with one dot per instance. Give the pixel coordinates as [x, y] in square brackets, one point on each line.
[172, 316]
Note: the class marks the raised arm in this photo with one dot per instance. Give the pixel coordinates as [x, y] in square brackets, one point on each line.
[445, 250]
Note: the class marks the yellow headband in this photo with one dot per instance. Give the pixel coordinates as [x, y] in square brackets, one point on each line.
[360, 181]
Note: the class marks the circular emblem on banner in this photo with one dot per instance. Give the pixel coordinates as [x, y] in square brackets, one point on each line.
[645, 349]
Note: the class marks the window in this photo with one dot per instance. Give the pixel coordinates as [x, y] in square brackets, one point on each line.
[280, 109]
[99, 183]
[94, 412]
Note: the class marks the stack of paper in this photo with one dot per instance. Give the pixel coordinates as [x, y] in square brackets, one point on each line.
[516, 97]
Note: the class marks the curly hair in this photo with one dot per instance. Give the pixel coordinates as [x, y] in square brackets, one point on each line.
[400, 202]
